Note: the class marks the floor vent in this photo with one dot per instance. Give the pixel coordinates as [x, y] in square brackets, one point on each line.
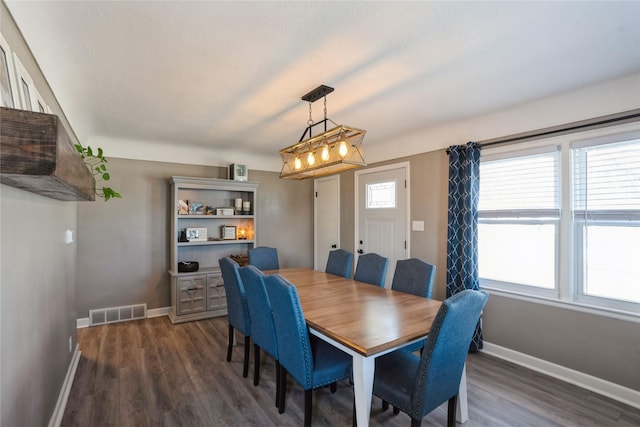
[101, 316]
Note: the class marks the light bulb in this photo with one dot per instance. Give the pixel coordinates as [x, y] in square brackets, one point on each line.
[342, 150]
[310, 158]
[324, 155]
[298, 163]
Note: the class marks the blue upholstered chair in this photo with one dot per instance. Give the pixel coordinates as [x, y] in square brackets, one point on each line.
[311, 367]
[372, 269]
[416, 277]
[263, 331]
[418, 385]
[237, 309]
[264, 258]
[340, 263]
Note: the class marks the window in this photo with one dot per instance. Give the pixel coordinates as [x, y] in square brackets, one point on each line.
[606, 216]
[5, 83]
[30, 98]
[23, 94]
[26, 95]
[381, 195]
[562, 220]
[7, 79]
[519, 215]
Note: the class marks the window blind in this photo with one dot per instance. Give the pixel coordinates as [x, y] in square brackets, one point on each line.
[607, 181]
[524, 186]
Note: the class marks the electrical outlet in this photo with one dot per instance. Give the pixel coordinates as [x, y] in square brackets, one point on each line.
[70, 344]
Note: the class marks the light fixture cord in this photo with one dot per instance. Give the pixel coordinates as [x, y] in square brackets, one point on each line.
[310, 121]
[325, 113]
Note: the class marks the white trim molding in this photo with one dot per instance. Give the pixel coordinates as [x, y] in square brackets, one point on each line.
[597, 385]
[406, 166]
[61, 404]
[567, 305]
[158, 312]
[83, 323]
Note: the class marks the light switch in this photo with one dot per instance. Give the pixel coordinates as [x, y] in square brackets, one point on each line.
[68, 237]
[417, 225]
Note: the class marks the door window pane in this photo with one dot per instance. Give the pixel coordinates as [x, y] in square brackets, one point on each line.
[381, 195]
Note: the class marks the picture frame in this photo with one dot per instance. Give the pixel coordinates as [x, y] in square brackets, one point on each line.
[228, 232]
[238, 172]
[196, 208]
[225, 211]
[196, 234]
[183, 207]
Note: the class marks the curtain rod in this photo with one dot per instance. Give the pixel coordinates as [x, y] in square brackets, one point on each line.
[598, 122]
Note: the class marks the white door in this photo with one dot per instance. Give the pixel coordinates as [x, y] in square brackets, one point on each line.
[382, 207]
[326, 211]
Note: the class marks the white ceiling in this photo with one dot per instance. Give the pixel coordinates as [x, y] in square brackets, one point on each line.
[229, 75]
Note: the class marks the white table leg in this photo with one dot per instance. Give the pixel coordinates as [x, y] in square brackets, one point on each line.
[462, 411]
[363, 370]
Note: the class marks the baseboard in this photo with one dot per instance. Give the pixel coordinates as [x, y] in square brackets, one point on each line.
[158, 312]
[597, 385]
[61, 404]
[85, 322]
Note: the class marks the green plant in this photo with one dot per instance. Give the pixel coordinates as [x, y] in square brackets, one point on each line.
[97, 164]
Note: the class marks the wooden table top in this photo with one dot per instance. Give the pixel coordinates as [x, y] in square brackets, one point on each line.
[366, 318]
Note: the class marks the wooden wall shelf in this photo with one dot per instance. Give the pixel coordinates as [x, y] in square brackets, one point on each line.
[37, 155]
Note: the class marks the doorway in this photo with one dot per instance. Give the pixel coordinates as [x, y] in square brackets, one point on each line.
[326, 213]
[382, 214]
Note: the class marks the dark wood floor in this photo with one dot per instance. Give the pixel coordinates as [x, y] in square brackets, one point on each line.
[151, 373]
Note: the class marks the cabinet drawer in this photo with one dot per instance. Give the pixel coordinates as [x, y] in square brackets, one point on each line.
[191, 294]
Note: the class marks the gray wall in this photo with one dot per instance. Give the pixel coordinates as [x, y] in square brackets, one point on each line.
[285, 217]
[429, 174]
[596, 345]
[122, 254]
[123, 244]
[37, 284]
[37, 304]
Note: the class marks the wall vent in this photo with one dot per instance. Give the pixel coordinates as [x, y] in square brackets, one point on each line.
[100, 316]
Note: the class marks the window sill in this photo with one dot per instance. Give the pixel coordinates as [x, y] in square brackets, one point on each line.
[568, 305]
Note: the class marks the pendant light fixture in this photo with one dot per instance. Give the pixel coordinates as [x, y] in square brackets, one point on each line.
[334, 150]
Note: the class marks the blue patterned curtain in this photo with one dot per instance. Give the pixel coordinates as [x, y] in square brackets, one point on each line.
[462, 228]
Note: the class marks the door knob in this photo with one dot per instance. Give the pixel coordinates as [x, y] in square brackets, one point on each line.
[360, 251]
[334, 246]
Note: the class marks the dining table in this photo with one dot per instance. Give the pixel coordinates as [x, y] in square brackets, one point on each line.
[365, 321]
